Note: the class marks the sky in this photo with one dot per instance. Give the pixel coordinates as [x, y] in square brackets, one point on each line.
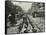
[25, 6]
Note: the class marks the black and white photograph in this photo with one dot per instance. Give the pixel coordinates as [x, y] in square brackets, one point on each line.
[23, 17]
